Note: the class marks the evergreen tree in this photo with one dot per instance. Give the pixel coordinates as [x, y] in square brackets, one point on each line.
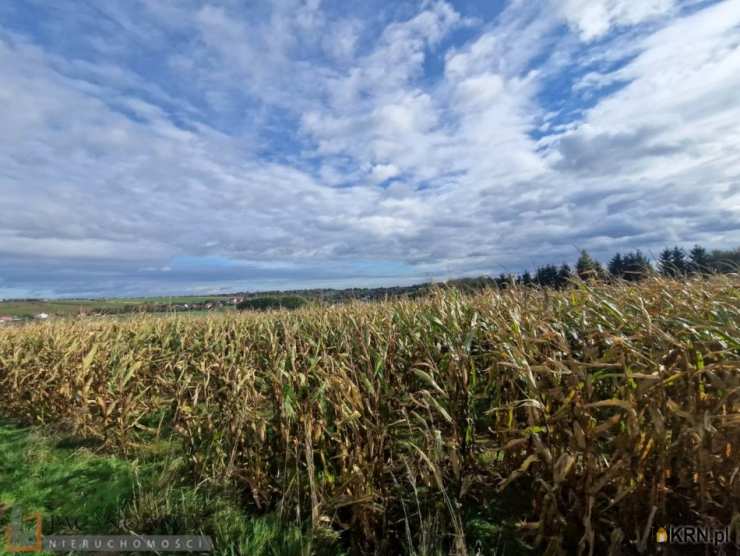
[699, 260]
[678, 258]
[564, 275]
[636, 266]
[586, 267]
[547, 276]
[665, 263]
[616, 266]
[526, 278]
[721, 260]
[504, 280]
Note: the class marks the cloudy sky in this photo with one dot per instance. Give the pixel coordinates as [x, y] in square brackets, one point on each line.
[174, 146]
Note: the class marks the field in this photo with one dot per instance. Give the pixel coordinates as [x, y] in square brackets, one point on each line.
[517, 421]
[73, 307]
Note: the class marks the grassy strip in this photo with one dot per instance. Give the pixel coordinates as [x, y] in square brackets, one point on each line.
[80, 492]
[73, 489]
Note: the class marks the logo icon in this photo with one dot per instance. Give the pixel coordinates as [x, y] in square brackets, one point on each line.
[661, 535]
[23, 534]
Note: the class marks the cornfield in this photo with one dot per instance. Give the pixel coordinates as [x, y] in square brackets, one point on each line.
[583, 418]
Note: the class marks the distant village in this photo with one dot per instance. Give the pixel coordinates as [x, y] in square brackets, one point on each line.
[241, 301]
[89, 308]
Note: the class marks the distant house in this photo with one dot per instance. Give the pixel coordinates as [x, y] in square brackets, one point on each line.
[42, 316]
[4, 319]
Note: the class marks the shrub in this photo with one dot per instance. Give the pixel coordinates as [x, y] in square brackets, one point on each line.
[265, 303]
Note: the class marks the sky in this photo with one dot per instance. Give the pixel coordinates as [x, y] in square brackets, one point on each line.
[153, 147]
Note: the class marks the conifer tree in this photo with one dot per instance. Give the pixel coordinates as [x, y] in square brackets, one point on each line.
[699, 260]
[564, 275]
[616, 266]
[678, 258]
[636, 266]
[588, 268]
[547, 276]
[665, 263]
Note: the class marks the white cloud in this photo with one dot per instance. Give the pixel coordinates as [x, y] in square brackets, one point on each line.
[383, 172]
[342, 43]
[480, 91]
[594, 18]
[676, 113]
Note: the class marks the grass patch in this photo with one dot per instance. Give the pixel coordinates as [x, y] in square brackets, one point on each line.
[78, 491]
[72, 488]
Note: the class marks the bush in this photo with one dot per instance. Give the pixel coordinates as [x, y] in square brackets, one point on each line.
[265, 303]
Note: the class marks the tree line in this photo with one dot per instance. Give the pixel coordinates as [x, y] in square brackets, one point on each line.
[632, 266]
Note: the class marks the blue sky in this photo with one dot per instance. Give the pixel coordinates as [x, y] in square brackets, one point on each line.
[176, 146]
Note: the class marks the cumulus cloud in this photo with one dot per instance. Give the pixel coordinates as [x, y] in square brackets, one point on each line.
[300, 143]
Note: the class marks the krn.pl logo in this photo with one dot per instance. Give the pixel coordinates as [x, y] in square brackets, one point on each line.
[661, 536]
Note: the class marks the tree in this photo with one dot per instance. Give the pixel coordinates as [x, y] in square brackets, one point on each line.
[616, 266]
[586, 267]
[547, 276]
[678, 258]
[635, 266]
[665, 263]
[699, 260]
[721, 260]
[564, 275]
[504, 280]
[526, 278]
[267, 302]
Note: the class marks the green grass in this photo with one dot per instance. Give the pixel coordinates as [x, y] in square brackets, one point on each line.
[73, 489]
[80, 492]
[63, 308]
